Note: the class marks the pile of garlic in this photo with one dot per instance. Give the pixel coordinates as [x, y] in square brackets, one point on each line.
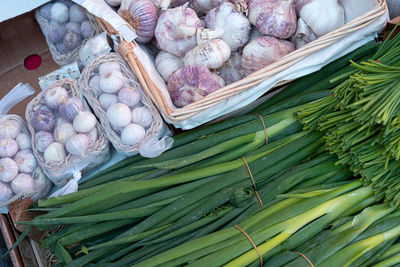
[68, 25]
[62, 126]
[18, 163]
[121, 100]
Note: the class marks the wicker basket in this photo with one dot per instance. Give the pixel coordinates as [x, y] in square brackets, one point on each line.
[176, 115]
[156, 127]
[97, 152]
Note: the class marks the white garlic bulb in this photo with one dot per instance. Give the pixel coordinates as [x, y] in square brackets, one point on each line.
[23, 184]
[77, 13]
[9, 129]
[54, 153]
[63, 131]
[92, 135]
[61, 120]
[59, 13]
[5, 192]
[142, 116]
[8, 170]
[24, 141]
[55, 96]
[8, 147]
[43, 140]
[77, 144]
[218, 79]
[129, 96]
[203, 6]
[119, 115]
[232, 70]
[109, 67]
[132, 134]
[84, 122]
[107, 100]
[211, 54]
[94, 83]
[111, 82]
[167, 63]
[26, 161]
[113, 3]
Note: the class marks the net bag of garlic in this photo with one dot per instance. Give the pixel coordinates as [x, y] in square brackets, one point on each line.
[66, 27]
[20, 174]
[66, 137]
[128, 117]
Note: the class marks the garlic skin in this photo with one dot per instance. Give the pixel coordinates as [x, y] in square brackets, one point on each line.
[132, 134]
[142, 116]
[109, 67]
[26, 161]
[72, 40]
[87, 29]
[54, 97]
[77, 13]
[107, 100]
[229, 25]
[8, 170]
[111, 82]
[56, 32]
[303, 35]
[142, 16]
[211, 54]
[24, 141]
[176, 3]
[176, 30]
[8, 147]
[77, 144]
[92, 135]
[274, 17]
[263, 51]
[84, 122]
[61, 120]
[43, 120]
[218, 79]
[114, 3]
[54, 153]
[119, 115]
[70, 107]
[59, 13]
[167, 63]
[94, 83]
[129, 96]
[322, 16]
[190, 84]
[9, 129]
[232, 70]
[203, 6]
[43, 140]
[5, 192]
[22, 184]
[63, 131]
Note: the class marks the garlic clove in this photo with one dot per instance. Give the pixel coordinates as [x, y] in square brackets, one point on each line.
[232, 70]
[129, 96]
[77, 144]
[111, 82]
[43, 140]
[77, 13]
[23, 184]
[54, 153]
[5, 192]
[211, 54]
[87, 29]
[109, 67]
[142, 116]
[93, 135]
[63, 131]
[26, 161]
[54, 97]
[167, 63]
[94, 83]
[119, 115]
[9, 129]
[107, 100]
[24, 141]
[59, 13]
[72, 40]
[43, 120]
[8, 147]
[84, 122]
[132, 134]
[8, 170]
[70, 107]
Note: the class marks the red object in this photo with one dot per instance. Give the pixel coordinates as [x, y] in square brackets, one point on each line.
[33, 62]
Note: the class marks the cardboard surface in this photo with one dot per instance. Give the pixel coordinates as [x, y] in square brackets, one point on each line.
[21, 37]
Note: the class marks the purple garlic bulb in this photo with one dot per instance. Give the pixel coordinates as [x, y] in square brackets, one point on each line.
[263, 51]
[77, 13]
[70, 107]
[211, 54]
[43, 140]
[232, 71]
[142, 16]
[87, 29]
[43, 120]
[274, 17]
[73, 27]
[45, 11]
[56, 32]
[72, 40]
[61, 48]
[190, 84]
[176, 30]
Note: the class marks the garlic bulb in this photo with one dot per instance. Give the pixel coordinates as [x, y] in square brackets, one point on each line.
[190, 84]
[84, 122]
[274, 17]
[43, 140]
[142, 116]
[129, 96]
[203, 6]
[218, 79]
[119, 115]
[5, 192]
[303, 35]
[142, 16]
[59, 13]
[72, 40]
[24, 141]
[61, 120]
[9, 129]
[176, 3]
[56, 32]
[8, 170]
[73, 27]
[54, 153]
[23, 184]
[109, 67]
[63, 131]
[167, 63]
[70, 107]
[43, 120]
[42, 185]
[54, 97]
[26, 161]
[132, 134]
[211, 54]
[228, 24]
[45, 11]
[92, 135]
[176, 30]
[107, 100]
[111, 82]
[77, 13]
[87, 29]
[322, 16]
[8, 147]
[263, 51]
[232, 70]
[114, 3]
[77, 144]
[61, 48]
[94, 83]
